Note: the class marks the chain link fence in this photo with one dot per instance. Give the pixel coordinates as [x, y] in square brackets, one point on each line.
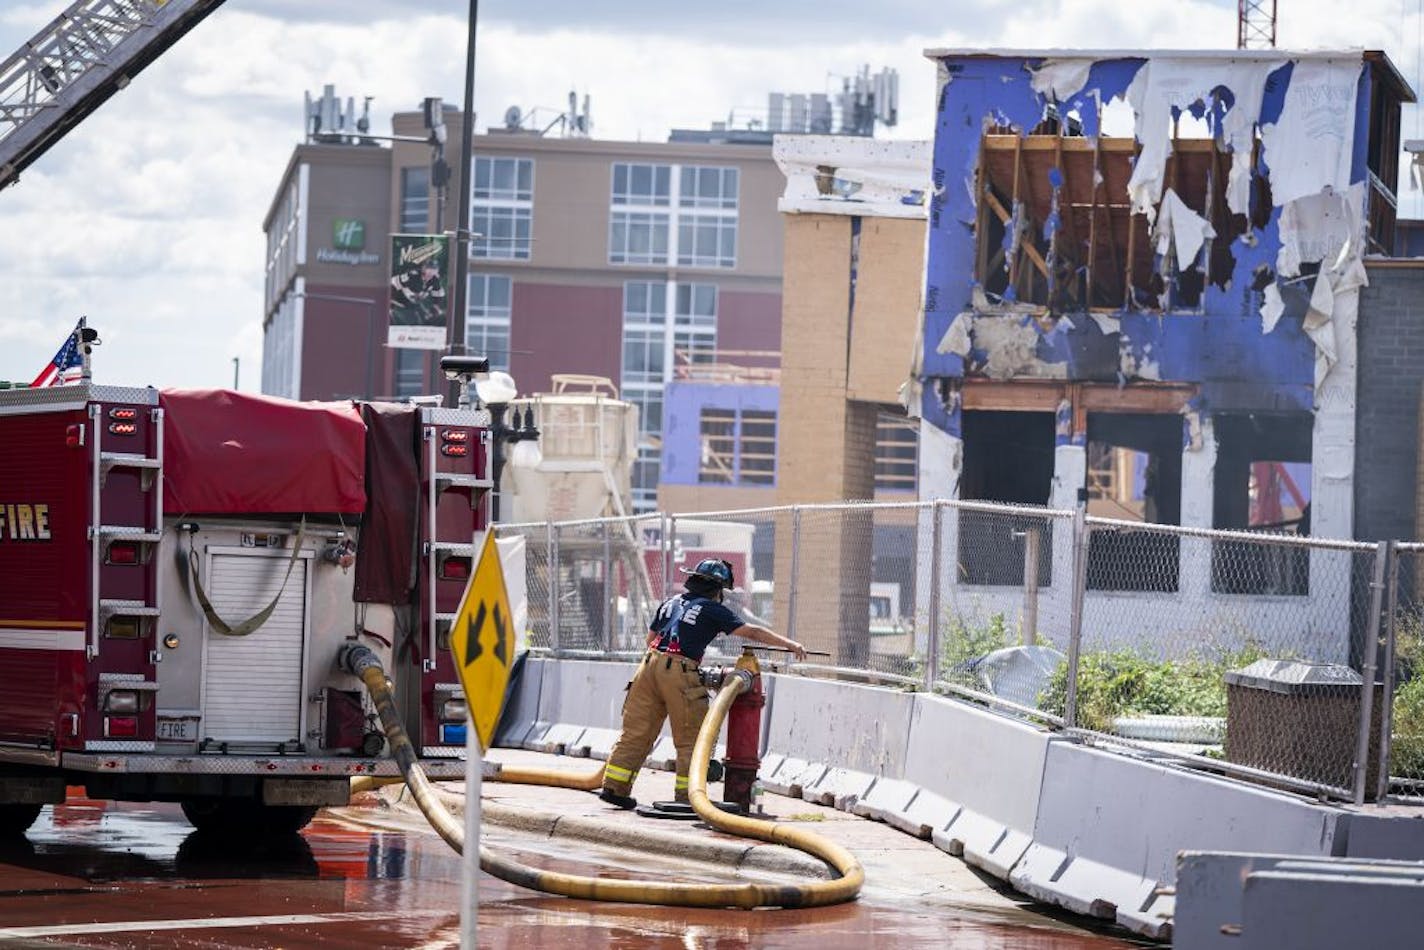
[1240, 648]
[1244, 653]
[1403, 680]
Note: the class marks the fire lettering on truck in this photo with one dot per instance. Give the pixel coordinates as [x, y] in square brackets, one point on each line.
[19, 522]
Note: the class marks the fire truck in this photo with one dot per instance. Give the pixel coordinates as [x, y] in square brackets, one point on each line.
[178, 570]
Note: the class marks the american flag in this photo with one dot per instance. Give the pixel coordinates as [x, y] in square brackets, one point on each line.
[66, 365]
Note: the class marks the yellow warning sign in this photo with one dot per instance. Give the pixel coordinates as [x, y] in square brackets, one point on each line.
[482, 641]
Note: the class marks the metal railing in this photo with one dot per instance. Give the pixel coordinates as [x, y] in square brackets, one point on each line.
[1239, 652]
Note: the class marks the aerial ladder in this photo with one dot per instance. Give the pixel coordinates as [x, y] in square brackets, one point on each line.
[81, 58]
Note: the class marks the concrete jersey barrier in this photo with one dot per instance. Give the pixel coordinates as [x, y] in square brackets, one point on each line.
[1093, 831]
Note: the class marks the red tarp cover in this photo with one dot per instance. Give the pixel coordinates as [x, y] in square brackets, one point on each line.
[231, 453]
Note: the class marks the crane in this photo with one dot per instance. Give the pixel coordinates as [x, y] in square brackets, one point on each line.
[1255, 24]
[72, 66]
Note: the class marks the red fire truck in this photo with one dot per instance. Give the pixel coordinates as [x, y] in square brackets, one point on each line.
[178, 570]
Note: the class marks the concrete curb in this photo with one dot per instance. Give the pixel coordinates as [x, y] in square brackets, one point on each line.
[759, 856]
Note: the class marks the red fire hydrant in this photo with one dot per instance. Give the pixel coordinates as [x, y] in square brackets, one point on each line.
[744, 738]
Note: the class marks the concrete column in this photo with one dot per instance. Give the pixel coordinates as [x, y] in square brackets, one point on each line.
[1332, 484]
[941, 460]
[1070, 477]
[1198, 511]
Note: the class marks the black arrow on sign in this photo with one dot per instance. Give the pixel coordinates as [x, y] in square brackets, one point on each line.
[473, 647]
[501, 653]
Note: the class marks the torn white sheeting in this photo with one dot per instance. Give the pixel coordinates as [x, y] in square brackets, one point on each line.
[1271, 309]
[1165, 83]
[1061, 79]
[1011, 343]
[1238, 128]
[1180, 228]
[1311, 146]
[1317, 318]
[956, 338]
[1322, 228]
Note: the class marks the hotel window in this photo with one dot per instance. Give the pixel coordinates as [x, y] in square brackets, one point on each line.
[487, 319]
[695, 322]
[660, 320]
[707, 241]
[673, 215]
[502, 208]
[642, 184]
[638, 238]
[708, 187]
[504, 179]
[415, 200]
[410, 372]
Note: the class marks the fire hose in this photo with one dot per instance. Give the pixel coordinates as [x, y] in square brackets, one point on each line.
[363, 663]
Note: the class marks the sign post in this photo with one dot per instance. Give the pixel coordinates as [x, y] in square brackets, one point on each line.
[482, 641]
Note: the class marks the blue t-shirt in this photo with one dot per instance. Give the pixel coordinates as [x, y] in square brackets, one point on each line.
[685, 624]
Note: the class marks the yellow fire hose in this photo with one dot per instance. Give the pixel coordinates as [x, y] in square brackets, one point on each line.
[361, 661]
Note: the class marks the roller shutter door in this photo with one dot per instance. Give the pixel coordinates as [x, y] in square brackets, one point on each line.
[253, 684]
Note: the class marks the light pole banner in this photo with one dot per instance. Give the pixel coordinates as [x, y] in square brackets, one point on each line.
[419, 304]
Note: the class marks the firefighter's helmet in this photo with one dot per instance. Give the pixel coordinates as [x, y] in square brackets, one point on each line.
[715, 570]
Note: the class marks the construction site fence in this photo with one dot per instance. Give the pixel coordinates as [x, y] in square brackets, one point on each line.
[1244, 653]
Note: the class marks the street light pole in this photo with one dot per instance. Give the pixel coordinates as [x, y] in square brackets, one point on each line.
[459, 303]
[469, 888]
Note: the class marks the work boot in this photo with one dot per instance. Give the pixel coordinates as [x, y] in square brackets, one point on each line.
[620, 801]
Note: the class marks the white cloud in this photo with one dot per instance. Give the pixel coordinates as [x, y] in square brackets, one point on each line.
[147, 218]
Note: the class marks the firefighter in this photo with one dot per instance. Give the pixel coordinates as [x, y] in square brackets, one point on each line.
[668, 683]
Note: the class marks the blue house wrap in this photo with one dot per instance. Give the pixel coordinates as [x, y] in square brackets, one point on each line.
[1218, 344]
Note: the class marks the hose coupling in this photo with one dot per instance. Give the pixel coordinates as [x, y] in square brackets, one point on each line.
[355, 658]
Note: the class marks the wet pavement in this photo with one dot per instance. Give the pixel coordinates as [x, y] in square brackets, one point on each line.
[125, 875]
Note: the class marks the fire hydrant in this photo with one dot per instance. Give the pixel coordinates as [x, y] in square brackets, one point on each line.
[744, 738]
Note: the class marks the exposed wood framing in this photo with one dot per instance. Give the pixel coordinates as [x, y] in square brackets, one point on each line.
[1036, 395]
[1082, 143]
[998, 208]
[1093, 215]
[981, 216]
[1018, 241]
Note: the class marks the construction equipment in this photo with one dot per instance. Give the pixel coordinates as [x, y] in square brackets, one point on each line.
[178, 570]
[72, 66]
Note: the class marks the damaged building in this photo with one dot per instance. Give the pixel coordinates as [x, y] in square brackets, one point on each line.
[1143, 293]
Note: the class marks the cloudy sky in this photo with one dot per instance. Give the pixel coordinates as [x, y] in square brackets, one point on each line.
[147, 217]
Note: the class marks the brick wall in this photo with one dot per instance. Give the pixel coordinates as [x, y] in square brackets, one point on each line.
[1391, 341]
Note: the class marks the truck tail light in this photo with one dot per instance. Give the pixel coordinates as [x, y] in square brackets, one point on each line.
[121, 701]
[121, 727]
[454, 443]
[123, 428]
[452, 733]
[74, 436]
[124, 552]
[123, 414]
[455, 569]
[453, 710]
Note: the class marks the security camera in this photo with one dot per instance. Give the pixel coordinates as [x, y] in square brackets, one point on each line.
[464, 367]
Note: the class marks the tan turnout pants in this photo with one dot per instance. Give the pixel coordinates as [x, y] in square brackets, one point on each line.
[664, 687]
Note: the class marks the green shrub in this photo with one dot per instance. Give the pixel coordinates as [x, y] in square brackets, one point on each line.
[1406, 748]
[1125, 682]
[960, 643]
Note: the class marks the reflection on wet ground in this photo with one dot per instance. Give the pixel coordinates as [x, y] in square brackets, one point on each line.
[88, 875]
